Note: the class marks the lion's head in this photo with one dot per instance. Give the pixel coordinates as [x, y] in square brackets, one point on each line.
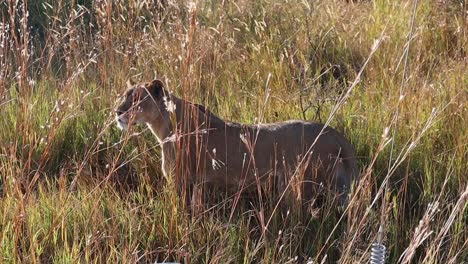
[141, 103]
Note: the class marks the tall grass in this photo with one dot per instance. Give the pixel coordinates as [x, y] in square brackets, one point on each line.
[75, 189]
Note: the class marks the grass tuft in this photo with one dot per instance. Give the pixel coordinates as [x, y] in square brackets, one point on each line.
[391, 75]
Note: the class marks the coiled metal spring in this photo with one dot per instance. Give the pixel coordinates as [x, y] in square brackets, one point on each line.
[378, 250]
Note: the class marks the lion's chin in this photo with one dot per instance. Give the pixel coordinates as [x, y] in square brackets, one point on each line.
[120, 124]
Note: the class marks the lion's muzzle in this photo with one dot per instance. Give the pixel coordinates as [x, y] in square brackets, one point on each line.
[122, 123]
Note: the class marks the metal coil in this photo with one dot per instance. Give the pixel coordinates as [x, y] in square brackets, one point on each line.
[378, 252]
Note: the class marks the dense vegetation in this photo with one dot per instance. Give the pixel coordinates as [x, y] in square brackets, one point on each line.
[391, 75]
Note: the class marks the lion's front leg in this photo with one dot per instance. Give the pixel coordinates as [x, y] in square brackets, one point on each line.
[167, 168]
[196, 201]
[168, 161]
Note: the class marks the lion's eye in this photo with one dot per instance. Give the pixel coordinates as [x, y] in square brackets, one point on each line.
[135, 97]
[134, 100]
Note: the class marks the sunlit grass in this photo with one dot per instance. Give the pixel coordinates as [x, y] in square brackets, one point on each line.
[75, 189]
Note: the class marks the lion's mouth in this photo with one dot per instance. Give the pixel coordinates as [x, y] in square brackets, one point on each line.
[122, 124]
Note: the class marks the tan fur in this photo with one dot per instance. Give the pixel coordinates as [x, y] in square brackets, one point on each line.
[199, 147]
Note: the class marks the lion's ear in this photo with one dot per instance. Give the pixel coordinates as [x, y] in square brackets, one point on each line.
[156, 88]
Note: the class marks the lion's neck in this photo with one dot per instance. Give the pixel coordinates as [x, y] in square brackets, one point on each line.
[161, 127]
[188, 116]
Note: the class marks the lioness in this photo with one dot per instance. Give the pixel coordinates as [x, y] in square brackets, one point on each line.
[198, 147]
